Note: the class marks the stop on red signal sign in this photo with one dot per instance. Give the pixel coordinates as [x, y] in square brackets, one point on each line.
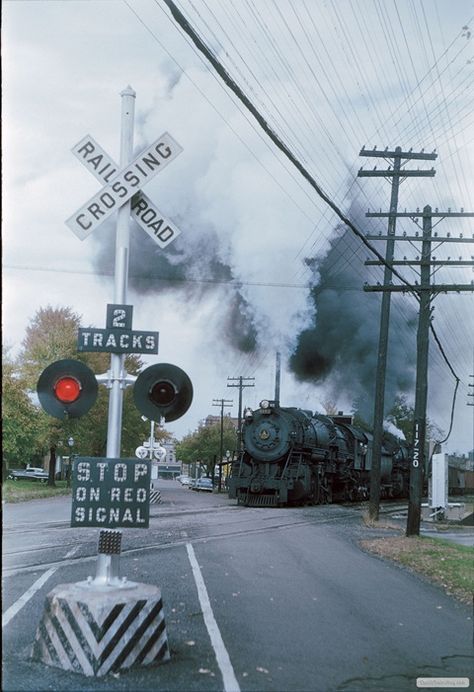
[67, 388]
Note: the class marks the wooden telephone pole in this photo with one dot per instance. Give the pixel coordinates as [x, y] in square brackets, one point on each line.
[240, 383]
[222, 403]
[397, 174]
[424, 290]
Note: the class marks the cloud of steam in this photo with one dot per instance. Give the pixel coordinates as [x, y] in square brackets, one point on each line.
[236, 228]
[189, 270]
[339, 346]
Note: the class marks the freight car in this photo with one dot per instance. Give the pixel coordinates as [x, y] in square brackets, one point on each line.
[294, 456]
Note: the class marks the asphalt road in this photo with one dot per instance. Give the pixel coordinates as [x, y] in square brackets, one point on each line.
[297, 604]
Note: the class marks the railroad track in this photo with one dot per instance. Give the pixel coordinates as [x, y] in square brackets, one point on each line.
[164, 543]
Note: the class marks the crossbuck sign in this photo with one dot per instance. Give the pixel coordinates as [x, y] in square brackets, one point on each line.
[120, 186]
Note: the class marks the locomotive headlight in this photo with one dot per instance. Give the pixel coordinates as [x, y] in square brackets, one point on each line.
[264, 404]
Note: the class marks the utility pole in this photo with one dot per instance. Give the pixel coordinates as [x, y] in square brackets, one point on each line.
[469, 403]
[397, 175]
[241, 380]
[222, 403]
[423, 290]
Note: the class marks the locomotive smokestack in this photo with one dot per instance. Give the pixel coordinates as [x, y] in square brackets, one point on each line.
[277, 378]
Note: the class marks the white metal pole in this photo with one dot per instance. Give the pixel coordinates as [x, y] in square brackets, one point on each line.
[122, 247]
[152, 438]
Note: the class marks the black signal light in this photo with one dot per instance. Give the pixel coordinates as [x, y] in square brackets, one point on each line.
[163, 391]
[67, 388]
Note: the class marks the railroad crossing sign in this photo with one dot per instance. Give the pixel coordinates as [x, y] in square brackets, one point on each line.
[122, 185]
[118, 336]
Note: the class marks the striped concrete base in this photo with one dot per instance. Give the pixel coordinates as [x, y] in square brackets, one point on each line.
[95, 632]
[155, 497]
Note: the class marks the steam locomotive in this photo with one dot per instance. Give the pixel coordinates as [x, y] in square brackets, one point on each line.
[294, 456]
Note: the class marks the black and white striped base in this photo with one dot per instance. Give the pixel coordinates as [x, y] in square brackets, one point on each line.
[95, 632]
[155, 497]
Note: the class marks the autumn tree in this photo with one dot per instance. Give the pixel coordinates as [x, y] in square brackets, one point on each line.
[19, 417]
[203, 445]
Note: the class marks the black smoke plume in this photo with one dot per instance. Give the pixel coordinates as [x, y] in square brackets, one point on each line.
[339, 347]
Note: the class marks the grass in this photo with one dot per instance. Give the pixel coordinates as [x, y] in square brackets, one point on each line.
[449, 565]
[20, 491]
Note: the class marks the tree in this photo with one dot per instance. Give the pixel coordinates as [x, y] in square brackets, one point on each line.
[402, 415]
[51, 336]
[203, 445]
[19, 417]
[330, 406]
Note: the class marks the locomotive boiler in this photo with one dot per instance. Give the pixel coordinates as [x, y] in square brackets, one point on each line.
[294, 456]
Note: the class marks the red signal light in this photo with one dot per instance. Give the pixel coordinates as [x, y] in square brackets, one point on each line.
[67, 389]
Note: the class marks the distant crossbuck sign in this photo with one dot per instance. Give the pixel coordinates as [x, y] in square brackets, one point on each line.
[125, 184]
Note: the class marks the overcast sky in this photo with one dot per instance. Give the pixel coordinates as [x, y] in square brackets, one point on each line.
[235, 286]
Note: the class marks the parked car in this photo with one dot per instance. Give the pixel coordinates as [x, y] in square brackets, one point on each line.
[184, 480]
[30, 474]
[203, 484]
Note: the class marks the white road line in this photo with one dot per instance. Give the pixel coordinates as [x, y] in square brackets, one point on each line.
[18, 605]
[222, 657]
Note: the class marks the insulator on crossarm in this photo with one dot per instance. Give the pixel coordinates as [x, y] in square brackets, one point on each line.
[460, 235]
[436, 210]
[448, 235]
